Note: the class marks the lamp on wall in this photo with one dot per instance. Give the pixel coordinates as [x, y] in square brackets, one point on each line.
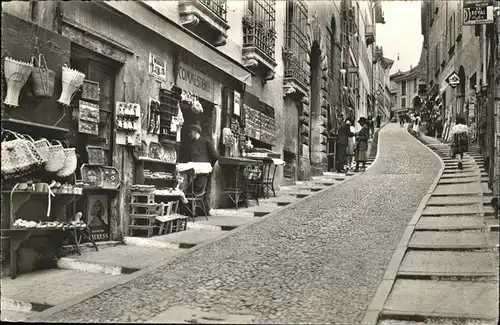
[343, 71]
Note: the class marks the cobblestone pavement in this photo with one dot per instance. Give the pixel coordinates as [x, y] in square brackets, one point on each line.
[317, 262]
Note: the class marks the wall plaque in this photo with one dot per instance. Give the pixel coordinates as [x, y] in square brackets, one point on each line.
[157, 67]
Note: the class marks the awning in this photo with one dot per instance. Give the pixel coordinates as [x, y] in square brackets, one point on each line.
[147, 16]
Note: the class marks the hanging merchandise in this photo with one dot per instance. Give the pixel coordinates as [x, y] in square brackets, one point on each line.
[72, 80]
[91, 90]
[128, 123]
[43, 78]
[70, 163]
[154, 116]
[88, 118]
[16, 74]
[19, 156]
[193, 101]
[57, 157]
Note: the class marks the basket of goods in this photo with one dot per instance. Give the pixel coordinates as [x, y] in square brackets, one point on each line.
[19, 156]
[16, 74]
[43, 78]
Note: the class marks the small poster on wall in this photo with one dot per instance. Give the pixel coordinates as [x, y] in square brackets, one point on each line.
[237, 103]
[97, 217]
[157, 67]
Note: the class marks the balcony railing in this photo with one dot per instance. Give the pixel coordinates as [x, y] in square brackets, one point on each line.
[218, 7]
[257, 35]
[295, 56]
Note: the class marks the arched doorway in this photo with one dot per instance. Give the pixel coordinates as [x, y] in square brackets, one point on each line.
[461, 92]
[315, 139]
[417, 104]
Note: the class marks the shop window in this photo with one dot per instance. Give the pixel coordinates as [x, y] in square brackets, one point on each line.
[295, 51]
[259, 27]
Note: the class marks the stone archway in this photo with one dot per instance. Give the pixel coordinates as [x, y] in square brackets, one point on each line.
[318, 98]
[417, 104]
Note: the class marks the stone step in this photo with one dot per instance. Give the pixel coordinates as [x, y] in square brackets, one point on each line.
[241, 212]
[298, 194]
[10, 315]
[448, 263]
[219, 223]
[47, 288]
[429, 298]
[261, 211]
[178, 240]
[301, 188]
[329, 178]
[283, 200]
[458, 210]
[122, 259]
[462, 180]
[453, 240]
[450, 223]
[461, 189]
[457, 200]
[464, 174]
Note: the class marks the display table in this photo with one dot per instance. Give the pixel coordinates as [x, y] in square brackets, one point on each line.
[266, 183]
[17, 236]
[237, 188]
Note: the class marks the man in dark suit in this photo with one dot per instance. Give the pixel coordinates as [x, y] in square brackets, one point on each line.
[201, 150]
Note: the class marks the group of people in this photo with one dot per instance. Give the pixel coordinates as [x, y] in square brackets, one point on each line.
[353, 145]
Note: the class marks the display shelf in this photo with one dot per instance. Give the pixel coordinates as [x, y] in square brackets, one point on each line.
[20, 124]
[155, 161]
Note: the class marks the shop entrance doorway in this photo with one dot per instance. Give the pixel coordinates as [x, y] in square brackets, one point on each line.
[205, 120]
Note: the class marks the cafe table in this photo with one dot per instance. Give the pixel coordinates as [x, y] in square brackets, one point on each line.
[235, 186]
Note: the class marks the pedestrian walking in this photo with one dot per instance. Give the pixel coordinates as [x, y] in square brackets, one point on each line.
[379, 120]
[460, 140]
[350, 144]
[362, 143]
[416, 124]
[401, 120]
[341, 149]
[370, 125]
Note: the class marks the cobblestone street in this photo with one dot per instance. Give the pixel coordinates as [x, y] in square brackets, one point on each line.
[317, 262]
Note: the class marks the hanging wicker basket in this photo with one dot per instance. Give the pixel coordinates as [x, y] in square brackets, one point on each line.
[43, 78]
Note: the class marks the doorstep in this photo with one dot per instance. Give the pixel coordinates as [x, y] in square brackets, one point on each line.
[122, 259]
[219, 223]
[178, 240]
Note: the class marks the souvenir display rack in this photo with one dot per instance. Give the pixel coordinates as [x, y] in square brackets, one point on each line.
[169, 108]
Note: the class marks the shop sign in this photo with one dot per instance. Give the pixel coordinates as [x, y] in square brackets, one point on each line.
[477, 12]
[193, 77]
[453, 80]
[157, 67]
[97, 217]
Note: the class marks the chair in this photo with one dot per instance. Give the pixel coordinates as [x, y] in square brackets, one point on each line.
[267, 179]
[196, 199]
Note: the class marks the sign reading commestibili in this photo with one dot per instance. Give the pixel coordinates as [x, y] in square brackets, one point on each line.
[477, 12]
[453, 80]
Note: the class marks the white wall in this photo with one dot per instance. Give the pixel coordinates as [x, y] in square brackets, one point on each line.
[365, 77]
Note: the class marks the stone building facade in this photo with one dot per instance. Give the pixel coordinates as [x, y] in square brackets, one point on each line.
[466, 50]
[407, 98]
[280, 60]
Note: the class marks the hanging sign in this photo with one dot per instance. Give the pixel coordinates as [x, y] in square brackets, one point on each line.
[453, 80]
[157, 67]
[237, 103]
[88, 118]
[477, 12]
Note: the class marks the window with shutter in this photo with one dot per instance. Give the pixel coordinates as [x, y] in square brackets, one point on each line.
[459, 22]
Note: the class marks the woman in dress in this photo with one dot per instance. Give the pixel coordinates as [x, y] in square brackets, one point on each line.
[350, 144]
[460, 140]
[362, 143]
